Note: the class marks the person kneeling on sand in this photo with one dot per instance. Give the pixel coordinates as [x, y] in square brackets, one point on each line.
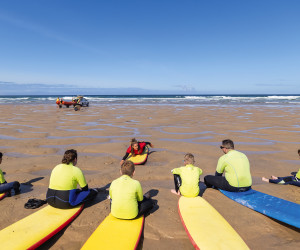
[292, 180]
[135, 148]
[7, 187]
[62, 191]
[126, 194]
[236, 167]
[186, 179]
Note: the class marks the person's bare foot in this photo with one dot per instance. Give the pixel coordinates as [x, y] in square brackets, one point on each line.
[274, 177]
[265, 179]
[174, 192]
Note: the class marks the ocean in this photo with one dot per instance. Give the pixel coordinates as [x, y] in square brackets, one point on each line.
[281, 100]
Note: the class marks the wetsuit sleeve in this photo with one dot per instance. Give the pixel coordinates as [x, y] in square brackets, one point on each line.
[128, 150]
[200, 171]
[80, 178]
[139, 192]
[176, 171]
[221, 166]
[125, 156]
[85, 188]
[144, 144]
[298, 174]
[2, 179]
[218, 174]
[110, 189]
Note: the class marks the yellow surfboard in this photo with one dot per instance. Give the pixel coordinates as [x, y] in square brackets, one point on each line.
[139, 159]
[206, 228]
[2, 196]
[116, 234]
[37, 228]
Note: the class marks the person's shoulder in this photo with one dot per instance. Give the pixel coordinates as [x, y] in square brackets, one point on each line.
[195, 167]
[239, 153]
[136, 182]
[114, 181]
[58, 166]
[198, 168]
[223, 157]
[77, 169]
[179, 169]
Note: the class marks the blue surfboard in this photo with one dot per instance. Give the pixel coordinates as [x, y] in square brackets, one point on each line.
[274, 207]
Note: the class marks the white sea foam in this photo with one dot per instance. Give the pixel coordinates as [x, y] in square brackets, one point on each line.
[166, 99]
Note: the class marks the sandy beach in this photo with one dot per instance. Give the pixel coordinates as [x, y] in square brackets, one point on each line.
[34, 137]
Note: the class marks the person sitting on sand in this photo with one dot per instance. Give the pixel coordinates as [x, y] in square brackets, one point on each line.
[7, 187]
[136, 148]
[126, 194]
[291, 180]
[236, 167]
[187, 178]
[62, 191]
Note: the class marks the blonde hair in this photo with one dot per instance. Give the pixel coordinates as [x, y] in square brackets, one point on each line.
[189, 158]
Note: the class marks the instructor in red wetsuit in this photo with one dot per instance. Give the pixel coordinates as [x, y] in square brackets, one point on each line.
[135, 148]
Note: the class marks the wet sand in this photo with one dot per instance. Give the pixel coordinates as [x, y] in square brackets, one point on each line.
[34, 137]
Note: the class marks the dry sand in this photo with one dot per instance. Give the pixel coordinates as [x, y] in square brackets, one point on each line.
[34, 137]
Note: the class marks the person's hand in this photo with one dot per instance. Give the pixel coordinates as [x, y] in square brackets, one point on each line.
[151, 145]
[121, 162]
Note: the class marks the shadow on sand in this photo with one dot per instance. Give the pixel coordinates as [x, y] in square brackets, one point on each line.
[153, 193]
[26, 187]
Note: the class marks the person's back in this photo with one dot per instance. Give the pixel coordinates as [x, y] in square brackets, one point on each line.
[190, 176]
[187, 178]
[125, 194]
[7, 187]
[236, 167]
[62, 191]
[66, 177]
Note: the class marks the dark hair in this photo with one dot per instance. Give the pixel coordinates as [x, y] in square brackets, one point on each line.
[298, 151]
[127, 168]
[228, 144]
[132, 142]
[69, 156]
[1, 154]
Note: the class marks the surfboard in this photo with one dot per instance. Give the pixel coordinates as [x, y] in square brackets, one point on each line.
[206, 228]
[2, 196]
[274, 207]
[139, 159]
[37, 228]
[117, 234]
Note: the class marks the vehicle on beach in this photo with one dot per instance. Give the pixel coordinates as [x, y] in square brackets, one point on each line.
[77, 102]
[83, 102]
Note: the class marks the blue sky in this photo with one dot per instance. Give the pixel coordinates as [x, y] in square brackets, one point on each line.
[206, 47]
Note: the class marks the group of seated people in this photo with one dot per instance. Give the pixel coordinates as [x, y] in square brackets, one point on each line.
[127, 199]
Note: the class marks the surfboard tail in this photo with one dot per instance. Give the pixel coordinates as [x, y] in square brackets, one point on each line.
[49, 236]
